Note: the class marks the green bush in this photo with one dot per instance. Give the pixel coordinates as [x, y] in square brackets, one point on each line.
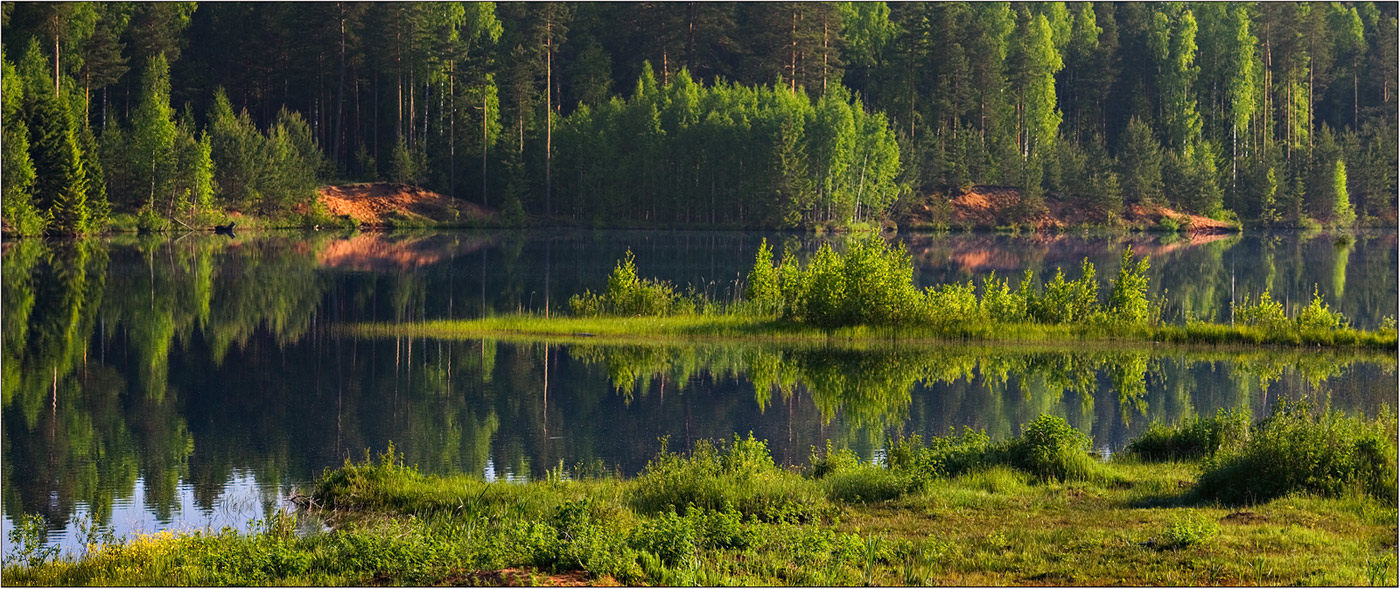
[999, 304]
[1316, 316]
[832, 461]
[1049, 447]
[1127, 302]
[1298, 450]
[1266, 313]
[763, 288]
[628, 295]
[943, 457]
[739, 475]
[1195, 437]
[1069, 302]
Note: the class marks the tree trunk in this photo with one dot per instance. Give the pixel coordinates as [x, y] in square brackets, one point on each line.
[548, 111]
[340, 94]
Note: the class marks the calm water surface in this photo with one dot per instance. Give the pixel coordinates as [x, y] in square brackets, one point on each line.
[194, 382]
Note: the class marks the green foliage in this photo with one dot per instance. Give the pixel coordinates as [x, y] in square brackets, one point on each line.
[1189, 530]
[943, 456]
[1299, 449]
[1194, 437]
[1051, 448]
[16, 167]
[739, 475]
[1266, 313]
[1317, 316]
[29, 537]
[1343, 215]
[1127, 302]
[1068, 302]
[628, 295]
[762, 286]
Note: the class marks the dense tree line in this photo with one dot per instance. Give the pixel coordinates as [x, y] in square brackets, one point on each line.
[700, 113]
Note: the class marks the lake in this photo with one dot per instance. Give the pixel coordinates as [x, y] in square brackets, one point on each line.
[191, 382]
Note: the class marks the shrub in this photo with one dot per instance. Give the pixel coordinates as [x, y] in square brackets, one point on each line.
[762, 287]
[739, 476]
[999, 304]
[1297, 450]
[866, 483]
[1316, 316]
[1195, 437]
[629, 295]
[1127, 302]
[1266, 313]
[1069, 302]
[832, 461]
[1049, 447]
[944, 456]
[951, 304]
[669, 536]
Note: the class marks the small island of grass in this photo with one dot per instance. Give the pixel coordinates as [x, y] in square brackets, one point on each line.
[868, 293]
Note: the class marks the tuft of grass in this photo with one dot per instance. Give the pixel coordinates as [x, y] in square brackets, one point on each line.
[1190, 529]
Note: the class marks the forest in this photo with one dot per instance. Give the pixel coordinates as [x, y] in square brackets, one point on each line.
[697, 114]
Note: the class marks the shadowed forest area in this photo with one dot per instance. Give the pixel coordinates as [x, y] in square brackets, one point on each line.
[776, 115]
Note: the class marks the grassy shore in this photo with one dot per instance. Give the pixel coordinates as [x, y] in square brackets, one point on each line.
[963, 510]
[753, 327]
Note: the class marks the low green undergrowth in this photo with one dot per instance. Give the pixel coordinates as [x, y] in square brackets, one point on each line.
[959, 509]
[1193, 437]
[1299, 450]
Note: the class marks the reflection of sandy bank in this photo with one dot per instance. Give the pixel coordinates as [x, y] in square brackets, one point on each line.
[377, 252]
[983, 252]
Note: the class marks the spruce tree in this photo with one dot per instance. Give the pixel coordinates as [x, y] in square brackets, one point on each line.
[16, 168]
[60, 187]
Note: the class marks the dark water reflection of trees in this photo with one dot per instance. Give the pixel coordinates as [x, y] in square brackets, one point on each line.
[187, 362]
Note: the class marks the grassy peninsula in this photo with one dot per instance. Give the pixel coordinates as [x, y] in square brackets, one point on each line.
[1306, 496]
[868, 294]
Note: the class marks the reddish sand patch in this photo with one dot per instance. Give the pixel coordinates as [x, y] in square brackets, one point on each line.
[375, 203]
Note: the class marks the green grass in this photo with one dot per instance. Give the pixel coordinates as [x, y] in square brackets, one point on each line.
[724, 514]
[751, 327]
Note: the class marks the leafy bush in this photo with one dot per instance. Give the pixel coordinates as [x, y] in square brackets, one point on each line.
[944, 456]
[763, 288]
[1127, 302]
[629, 295]
[1069, 302]
[832, 461]
[1266, 313]
[1316, 316]
[999, 304]
[1195, 437]
[740, 476]
[1295, 449]
[1051, 448]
